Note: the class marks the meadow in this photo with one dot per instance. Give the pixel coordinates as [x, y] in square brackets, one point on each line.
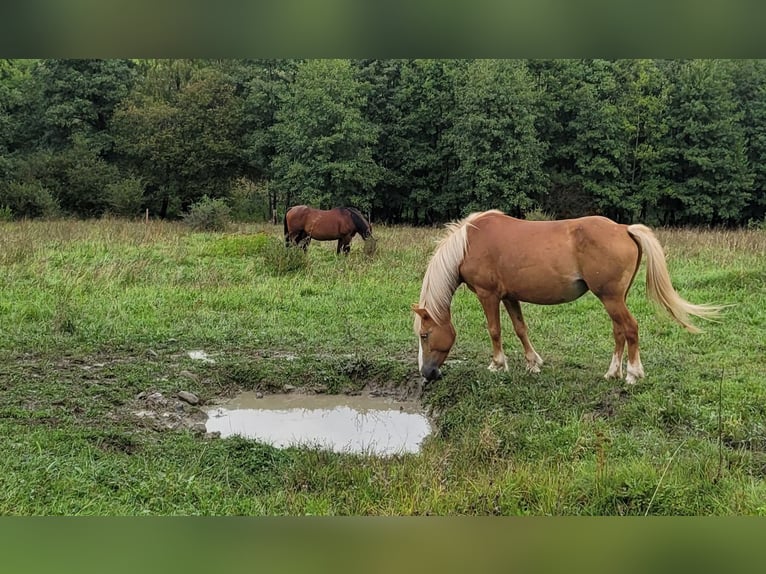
[95, 313]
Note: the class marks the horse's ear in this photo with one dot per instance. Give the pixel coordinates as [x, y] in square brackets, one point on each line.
[420, 311]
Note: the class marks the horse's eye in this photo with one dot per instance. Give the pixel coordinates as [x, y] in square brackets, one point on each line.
[424, 336]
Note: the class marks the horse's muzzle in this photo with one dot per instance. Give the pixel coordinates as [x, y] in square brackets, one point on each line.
[430, 373]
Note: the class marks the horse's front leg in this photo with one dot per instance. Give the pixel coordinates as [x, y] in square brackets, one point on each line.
[344, 245]
[491, 305]
[534, 361]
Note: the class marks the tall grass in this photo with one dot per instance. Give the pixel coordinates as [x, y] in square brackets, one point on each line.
[95, 312]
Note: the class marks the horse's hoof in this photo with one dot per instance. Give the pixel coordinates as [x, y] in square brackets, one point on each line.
[634, 373]
[494, 367]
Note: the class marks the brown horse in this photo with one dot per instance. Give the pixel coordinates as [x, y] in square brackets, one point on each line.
[502, 259]
[303, 223]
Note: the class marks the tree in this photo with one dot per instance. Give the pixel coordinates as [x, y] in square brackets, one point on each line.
[413, 104]
[382, 83]
[495, 139]
[709, 180]
[749, 85]
[181, 131]
[77, 99]
[266, 86]
[643, 103]
[323, 143]
[12, 76]
[557, 110]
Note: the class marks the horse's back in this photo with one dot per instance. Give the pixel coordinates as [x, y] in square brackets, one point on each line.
[530, 238]
[547, 262]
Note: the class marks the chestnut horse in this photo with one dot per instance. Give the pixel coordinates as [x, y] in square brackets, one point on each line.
[508, 260]
[303, 223]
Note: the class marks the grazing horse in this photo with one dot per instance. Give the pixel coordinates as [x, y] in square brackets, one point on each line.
[508, 260]
[303, 223]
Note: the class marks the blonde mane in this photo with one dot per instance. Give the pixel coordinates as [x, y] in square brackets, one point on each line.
[442, 278]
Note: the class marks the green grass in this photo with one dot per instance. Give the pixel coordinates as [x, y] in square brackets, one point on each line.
[94, 313]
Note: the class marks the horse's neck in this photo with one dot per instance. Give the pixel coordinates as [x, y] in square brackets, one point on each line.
[439, 303]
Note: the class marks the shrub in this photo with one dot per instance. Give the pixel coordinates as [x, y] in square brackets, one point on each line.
[125, 196]
[282, 260]
[538, 214]
[208, 215]
[28, 200]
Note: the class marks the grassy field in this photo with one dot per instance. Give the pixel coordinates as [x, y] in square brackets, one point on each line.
[94, 313]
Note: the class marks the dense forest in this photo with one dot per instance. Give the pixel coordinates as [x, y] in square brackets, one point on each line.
[665, 142]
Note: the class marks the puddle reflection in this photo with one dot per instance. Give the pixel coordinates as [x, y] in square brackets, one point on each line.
[359, 424]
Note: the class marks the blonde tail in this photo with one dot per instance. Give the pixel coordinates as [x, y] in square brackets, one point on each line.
[658, 285]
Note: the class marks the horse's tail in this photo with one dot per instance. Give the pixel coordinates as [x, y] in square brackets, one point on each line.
[284, 224]
[658, 285]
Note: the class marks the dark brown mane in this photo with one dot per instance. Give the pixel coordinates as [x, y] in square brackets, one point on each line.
[362, 226]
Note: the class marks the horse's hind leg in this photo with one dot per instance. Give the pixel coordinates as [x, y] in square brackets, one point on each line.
[534, 361]
[294, 238]
[625, 330]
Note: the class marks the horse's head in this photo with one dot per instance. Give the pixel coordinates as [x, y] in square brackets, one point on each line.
[363, 227]
[436, 340]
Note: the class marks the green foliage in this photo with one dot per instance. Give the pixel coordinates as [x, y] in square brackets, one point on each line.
[181, 128]
[125, 197]
[709, 178]
[494, 137]
[323, 142]
[27, 200]
[208, 215]
[249, 201]
[664, 142]
[78, 176]
[77, 99]
[538, 214]
[413, 102]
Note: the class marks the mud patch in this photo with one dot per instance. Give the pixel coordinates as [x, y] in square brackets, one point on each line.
[363, 423]
[610, 404]
[162, 413]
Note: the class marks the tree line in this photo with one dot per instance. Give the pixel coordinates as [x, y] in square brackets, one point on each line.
[665, 142]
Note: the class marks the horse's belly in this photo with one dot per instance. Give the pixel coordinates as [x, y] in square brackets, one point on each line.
[322, 232]
[322, 236]
[542, 285]
[551, 293]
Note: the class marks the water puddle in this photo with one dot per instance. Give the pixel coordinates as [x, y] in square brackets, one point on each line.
[342, 423]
